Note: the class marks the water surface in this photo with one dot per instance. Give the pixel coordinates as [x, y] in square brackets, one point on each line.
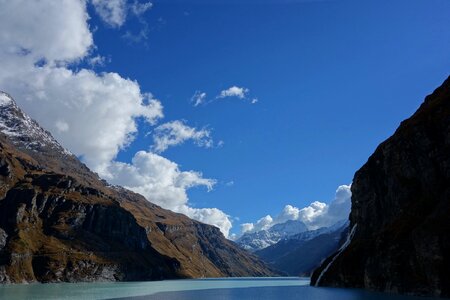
[285, 288]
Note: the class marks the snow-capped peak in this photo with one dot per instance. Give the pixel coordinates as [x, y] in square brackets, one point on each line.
[292, 229]
[289, 227]
[23, 131]
[4, 99]
[309, 235]
[258, 240]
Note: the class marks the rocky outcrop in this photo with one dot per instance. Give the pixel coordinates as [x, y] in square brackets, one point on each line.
[60, 222]
[401, 211]
[54, 229]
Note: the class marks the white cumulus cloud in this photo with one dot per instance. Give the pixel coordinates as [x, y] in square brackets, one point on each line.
[177, 132]
[338, 209]
[99, 110]
[211, 216]
[157, 178]
[247, 227]
[315, 215]
[234, 91]
[46, 29]
[162, 182]
[92, 114]
[263, 224]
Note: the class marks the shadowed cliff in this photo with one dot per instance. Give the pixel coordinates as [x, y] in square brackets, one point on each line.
[401, 209]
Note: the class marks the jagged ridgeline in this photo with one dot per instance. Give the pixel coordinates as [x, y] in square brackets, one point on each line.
[60, 222]
[401, 211]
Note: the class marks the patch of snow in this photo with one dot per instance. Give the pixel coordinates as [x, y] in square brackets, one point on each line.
[309, 235]
[291, 229]
[264, 238]
[24, 131]
[4, 99]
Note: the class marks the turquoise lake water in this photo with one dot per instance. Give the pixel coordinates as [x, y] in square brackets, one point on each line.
[284, 288]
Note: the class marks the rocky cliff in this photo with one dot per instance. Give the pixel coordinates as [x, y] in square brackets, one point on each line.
[60, 222]
[400, 217]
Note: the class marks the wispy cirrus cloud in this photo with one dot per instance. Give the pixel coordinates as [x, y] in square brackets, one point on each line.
[241, 93]
[198, 98]
[177, 132]
[112, 12]
[115, 12]
[138, 8]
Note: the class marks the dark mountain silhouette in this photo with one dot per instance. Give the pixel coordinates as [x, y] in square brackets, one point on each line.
[400, 217]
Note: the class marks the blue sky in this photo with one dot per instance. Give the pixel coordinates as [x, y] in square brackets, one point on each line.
[333, 79]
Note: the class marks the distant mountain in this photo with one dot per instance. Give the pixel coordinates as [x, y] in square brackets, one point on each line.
[400, 218]
[293, 249]
[60, 222]
[264, 238]
[289, 228]
[300, 254]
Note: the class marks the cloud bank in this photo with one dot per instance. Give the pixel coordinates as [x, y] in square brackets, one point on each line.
[316, 215]
[94, 115]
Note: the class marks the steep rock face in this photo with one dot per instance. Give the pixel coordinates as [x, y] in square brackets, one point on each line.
[60, 222]
[54, 229]
[401, 210]
[201, 249]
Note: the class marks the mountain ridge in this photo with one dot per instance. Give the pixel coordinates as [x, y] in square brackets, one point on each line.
[254, 241]
[61, 222]
[300, 254]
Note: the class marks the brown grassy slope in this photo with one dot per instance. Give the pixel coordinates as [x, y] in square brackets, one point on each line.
[59, 230]
[180, 246]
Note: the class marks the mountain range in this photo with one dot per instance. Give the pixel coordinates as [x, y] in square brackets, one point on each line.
[261, 239]
[60, 222]
[301, 254]
[291, 247]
